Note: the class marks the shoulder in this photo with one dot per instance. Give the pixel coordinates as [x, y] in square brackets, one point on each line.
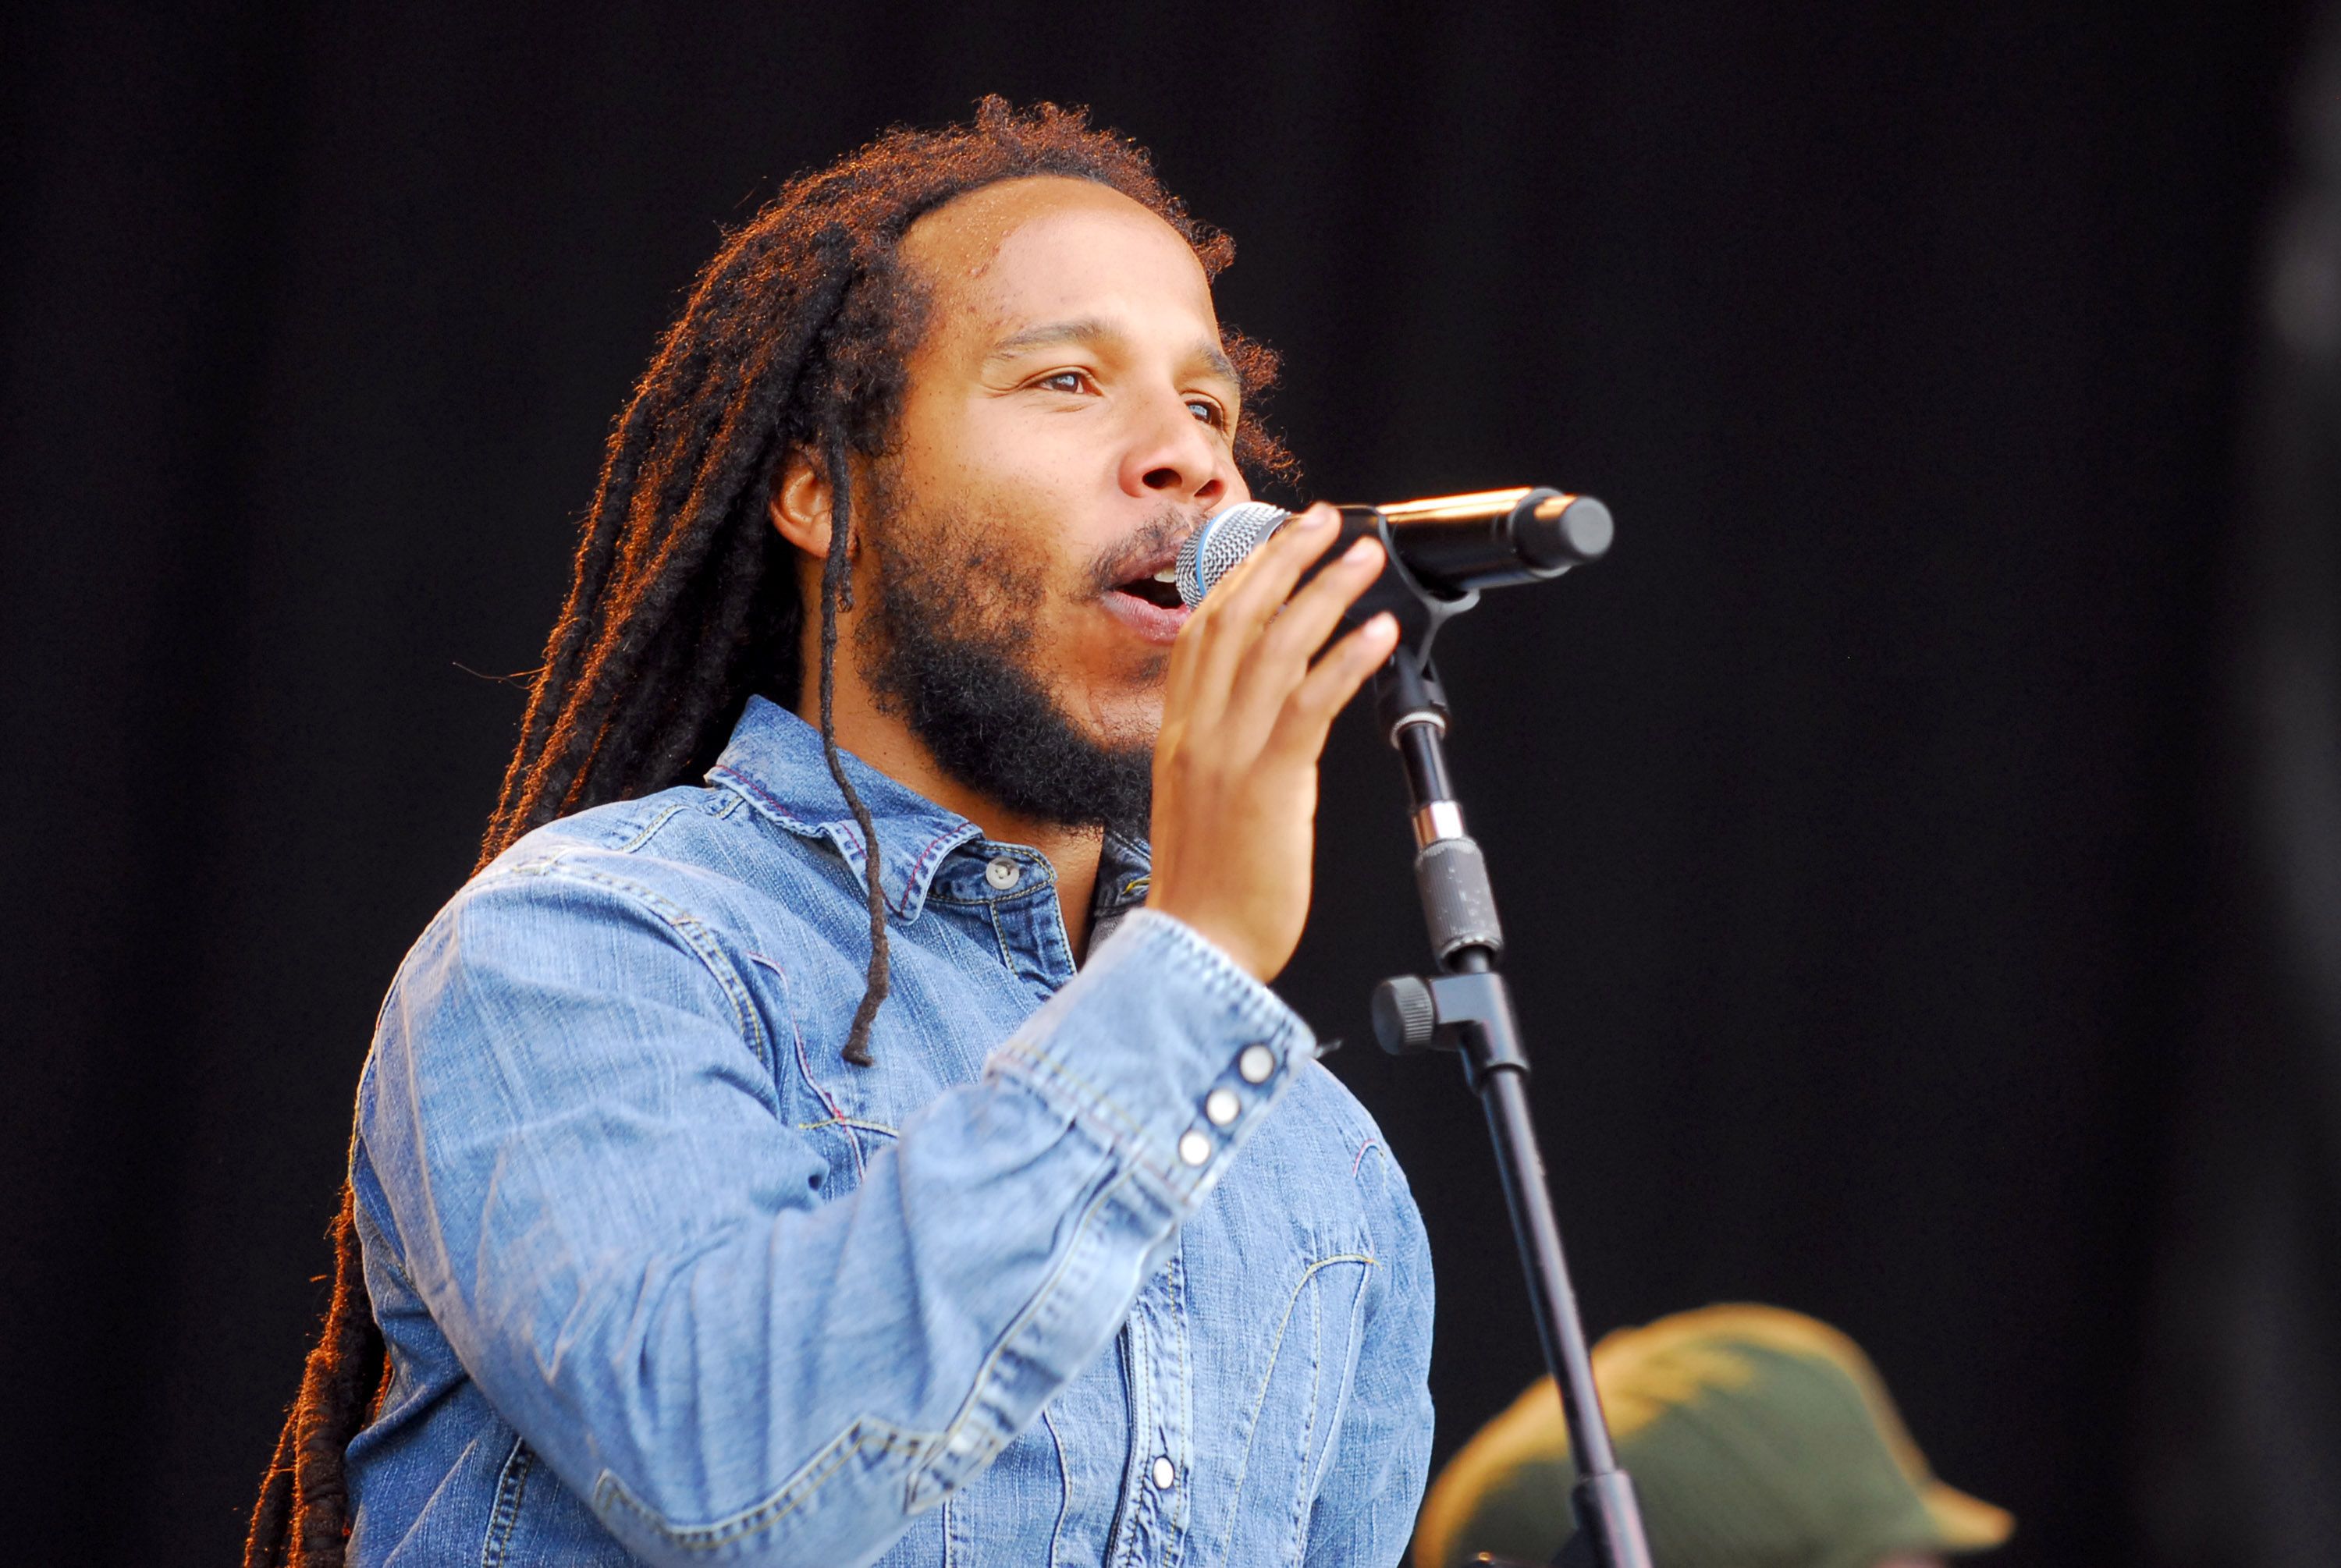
[691, 860]
[608, 949]
[641, 901]
[693, 845]
[1327, 1100]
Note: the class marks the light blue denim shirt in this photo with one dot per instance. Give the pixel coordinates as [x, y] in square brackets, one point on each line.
[1090, 1267]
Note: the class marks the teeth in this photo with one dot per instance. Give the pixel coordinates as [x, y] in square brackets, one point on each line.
[1168, 574]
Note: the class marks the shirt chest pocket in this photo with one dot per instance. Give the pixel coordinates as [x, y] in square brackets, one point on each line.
[1294, 1331]
[846, 1114]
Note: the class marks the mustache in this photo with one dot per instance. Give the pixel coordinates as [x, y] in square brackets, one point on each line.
[1147, 549]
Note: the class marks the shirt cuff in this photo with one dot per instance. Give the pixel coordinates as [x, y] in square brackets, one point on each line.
[1165, 1048]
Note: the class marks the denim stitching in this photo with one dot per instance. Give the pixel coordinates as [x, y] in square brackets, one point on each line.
[849, 1121]
[1142, 1513]
[1260, 1399]
[504, 1518]
[1121, 1126]
[910, 878]
[798, 825]
[1341, 1409]
[804, 1065]
[1097, 1100]
[693, 932]
[999, 934]
[786, 817]
[1309, 1424]
[1065, 1484]
[755, 1520]
[1031, 1311]
[1238, 990]
[1182, 1516]
[1214, 975]
[1023, 889]
[651, 828]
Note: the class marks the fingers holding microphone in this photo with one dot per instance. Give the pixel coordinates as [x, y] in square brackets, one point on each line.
[1249, 703]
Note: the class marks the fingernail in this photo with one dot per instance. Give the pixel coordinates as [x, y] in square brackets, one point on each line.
[1313, 520]
[1358, 551]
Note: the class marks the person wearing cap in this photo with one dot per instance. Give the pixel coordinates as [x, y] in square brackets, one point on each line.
[1757, 1438]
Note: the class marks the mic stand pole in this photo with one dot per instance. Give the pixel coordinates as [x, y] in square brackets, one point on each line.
[1467, 1007]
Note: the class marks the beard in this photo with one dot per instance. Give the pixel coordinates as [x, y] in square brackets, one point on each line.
[949, 646]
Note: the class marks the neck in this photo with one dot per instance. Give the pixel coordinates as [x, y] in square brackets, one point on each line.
[884, 743]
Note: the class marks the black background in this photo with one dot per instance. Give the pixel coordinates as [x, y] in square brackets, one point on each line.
[1852, 821]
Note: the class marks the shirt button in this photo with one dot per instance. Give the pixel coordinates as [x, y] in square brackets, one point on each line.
[1165, 1473]
[1221, 1107]
[1003, 873]
[1256, 1063]
[1194, 1147]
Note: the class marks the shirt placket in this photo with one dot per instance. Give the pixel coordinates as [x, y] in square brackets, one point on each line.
[1156, 1489]
[1150, 1515]
[1025, 911]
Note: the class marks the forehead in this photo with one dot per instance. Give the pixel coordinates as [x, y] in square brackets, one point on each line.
[1028, 251]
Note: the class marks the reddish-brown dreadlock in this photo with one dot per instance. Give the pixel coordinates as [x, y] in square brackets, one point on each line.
[683, 603]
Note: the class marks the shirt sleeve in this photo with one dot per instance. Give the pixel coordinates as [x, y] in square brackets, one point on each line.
[572, 1110]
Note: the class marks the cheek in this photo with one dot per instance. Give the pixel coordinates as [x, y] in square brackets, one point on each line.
[1033, 483]
[1010, 449]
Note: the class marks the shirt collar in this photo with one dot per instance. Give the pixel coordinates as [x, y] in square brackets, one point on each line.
[1125, 870]
[774, 760]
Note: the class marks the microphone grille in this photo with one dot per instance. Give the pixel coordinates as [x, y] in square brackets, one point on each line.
[1212, 550]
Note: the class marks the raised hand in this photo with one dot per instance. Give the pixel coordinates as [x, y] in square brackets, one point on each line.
[1245, 717]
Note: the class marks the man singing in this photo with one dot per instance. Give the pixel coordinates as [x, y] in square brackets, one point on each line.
[844, 1119]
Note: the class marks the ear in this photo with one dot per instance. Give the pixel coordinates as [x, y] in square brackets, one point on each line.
[801, 502]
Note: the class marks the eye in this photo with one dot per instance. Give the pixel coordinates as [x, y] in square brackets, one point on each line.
[1063, 382]
[1208, 412]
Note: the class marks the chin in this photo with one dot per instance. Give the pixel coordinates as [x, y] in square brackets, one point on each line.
[1133, 723]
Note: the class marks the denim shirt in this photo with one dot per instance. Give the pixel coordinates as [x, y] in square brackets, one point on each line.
[1088, 1268]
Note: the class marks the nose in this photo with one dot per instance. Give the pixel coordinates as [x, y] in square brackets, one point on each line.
[1174, 456]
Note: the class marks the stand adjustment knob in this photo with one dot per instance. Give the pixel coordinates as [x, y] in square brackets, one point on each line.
[1406, 1019]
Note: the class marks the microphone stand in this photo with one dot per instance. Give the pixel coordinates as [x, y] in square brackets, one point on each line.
[1467, 1007]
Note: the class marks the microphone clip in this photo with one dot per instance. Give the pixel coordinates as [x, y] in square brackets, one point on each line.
[1408, 691]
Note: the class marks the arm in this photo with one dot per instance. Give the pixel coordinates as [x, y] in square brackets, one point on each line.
[625, 1246]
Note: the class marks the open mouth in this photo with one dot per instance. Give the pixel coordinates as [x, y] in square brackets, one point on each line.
[1158, 588]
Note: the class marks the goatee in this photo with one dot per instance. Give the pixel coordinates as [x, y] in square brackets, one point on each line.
[948, 647]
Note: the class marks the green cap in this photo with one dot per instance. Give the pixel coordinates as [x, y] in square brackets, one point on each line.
[1757, 1438]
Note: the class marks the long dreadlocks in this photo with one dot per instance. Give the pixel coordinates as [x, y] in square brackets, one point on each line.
[683, 601]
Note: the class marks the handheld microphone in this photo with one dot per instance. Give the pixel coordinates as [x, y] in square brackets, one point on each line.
[1451, 546]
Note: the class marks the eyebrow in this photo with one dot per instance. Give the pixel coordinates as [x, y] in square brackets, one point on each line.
[1087, 331]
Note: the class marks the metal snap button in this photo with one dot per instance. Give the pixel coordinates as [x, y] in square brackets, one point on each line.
[1256, 1063]
[1221, 1107]
[1003, 873]
[1194, 1146]
[1165, 1473]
